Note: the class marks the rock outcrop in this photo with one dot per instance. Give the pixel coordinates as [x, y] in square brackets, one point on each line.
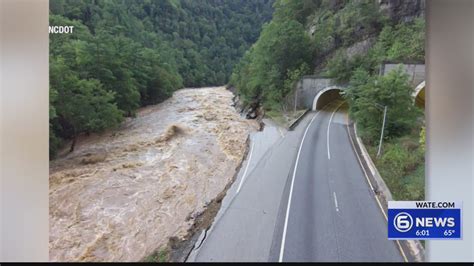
[402, 10]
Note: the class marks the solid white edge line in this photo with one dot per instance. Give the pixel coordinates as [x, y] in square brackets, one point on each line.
[283, 239]
[246, 168]
[372, 188]
[329, 126]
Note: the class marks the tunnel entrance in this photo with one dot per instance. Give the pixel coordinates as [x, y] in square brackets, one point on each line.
[326, 96]
[419, 95]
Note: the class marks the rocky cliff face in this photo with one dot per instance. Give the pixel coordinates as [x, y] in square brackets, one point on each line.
[402, 10]
[363, 36]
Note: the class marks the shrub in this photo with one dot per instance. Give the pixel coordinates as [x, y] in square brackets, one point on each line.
[402, 168]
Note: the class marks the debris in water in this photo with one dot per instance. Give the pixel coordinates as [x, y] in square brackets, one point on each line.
[170, 132]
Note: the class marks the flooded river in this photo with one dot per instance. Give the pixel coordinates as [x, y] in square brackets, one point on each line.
[122, 194]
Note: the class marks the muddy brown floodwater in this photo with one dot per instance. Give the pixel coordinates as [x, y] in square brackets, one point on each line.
[121, 195]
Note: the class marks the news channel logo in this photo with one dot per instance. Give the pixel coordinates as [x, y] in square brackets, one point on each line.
[424, 220]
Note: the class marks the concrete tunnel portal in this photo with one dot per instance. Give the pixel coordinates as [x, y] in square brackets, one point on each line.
[326, 96]
[332, 93]
[419, 95]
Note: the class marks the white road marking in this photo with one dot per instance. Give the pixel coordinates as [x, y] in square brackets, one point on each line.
[246, 168]
[329, 126]
[281, 132]
[335, 201]
[372, 188]
[283, 239]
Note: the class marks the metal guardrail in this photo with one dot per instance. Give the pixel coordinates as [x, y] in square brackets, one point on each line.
[412, 248]
[297, 120]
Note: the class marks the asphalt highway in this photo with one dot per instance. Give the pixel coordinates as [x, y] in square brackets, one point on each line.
[306, 198]
[331, 213]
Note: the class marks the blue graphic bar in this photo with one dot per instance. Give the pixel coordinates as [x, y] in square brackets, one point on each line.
[424, 220]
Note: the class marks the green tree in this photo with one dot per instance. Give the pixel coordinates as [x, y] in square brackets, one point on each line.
[54, 141]
[403, 42]
[127, 54]
[280, 50]
[367, 94]
[293, 77]
[81, 105]
[423, 138]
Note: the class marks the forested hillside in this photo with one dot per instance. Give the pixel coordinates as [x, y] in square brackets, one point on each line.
[127, 54]
[317, 37]
[347, 41]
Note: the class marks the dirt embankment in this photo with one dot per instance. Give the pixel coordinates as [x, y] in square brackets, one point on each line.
[121, 195]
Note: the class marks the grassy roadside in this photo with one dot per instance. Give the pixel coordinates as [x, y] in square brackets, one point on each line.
[402, 165]
[284, 119]
[161, 255]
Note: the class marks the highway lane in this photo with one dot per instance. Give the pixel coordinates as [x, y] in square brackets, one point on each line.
[331, 213]
[243, 229]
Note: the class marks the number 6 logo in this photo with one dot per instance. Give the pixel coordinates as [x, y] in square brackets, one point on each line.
[403, 222]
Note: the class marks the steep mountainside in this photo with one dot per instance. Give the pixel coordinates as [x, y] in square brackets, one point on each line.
[347, 41]
[329, 38]
[127, 54]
